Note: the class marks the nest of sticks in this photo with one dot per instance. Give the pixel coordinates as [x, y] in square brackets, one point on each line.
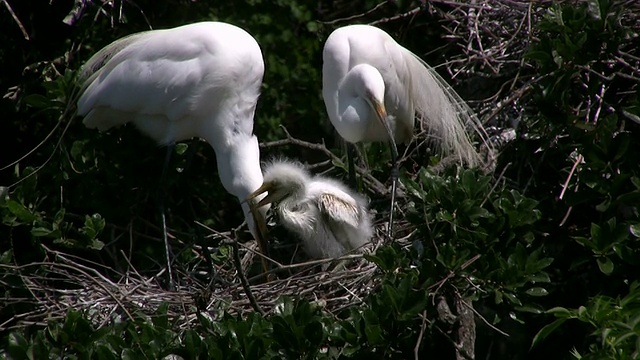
[63, 281]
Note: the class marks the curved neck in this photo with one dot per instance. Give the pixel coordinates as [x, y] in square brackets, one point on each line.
[239, 170]
[354, 112]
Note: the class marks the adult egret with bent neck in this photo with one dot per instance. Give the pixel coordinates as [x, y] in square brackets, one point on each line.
[329, 218]
[199, 80]
[373, 89]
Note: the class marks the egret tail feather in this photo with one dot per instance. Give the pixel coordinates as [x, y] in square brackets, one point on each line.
[446, 115]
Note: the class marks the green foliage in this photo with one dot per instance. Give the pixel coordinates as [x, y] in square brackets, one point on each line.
[586, 143]
[475, 230]
[615, 324]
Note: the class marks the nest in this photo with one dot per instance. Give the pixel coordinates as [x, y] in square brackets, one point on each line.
[64, 281]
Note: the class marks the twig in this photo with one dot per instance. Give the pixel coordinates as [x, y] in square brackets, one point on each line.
[416, 349]
[243, 278]
[353, 17]
[17, 21]
[397, 17]
[573, 169]
[483, 319]
[451, 273]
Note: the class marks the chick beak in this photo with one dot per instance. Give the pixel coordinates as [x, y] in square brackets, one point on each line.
[266, 187]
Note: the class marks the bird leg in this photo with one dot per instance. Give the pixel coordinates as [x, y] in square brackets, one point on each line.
[394, 183]
[160, 198]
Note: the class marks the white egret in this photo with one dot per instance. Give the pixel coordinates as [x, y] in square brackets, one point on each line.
[329, 218]
[199, 80]
[373, 89]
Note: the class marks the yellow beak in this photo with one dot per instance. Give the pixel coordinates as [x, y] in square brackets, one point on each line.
[266, 187]
[381, 112]
[262, 233]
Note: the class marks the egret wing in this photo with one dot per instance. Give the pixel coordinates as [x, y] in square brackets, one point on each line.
[337, 209]
[150, 74]
[172, 72]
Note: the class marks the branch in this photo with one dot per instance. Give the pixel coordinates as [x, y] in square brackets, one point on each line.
[243, 278]
[15, 18]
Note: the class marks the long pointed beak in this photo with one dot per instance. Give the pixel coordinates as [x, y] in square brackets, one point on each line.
[262, 233]
[381, 114]
[266, 187]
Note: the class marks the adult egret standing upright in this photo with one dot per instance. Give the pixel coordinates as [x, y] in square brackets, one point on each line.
[373, 89]
[199, 80]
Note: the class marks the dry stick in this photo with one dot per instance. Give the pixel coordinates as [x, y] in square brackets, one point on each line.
[573, 169]
[243, 278]
[416, 348]
[79, 269]
[484, 320]
[397, 17]
[495, 185]
[353, 17]
[238, 265]
[579, 158]
[513, 97]
[451, 273]
[15, 18]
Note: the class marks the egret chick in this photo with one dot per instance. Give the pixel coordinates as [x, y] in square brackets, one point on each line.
[199, 80]
[373, 90]
[329, 218]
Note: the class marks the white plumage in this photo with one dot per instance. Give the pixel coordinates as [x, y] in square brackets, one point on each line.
[329, 218]
[369, 79]
[198, 80]
[373, 90]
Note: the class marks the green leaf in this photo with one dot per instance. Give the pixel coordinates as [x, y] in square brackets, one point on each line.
[41, 231]
[96, 244]
[530, 309]
[37, 101]
[6, 257]
[537, 291]
[21, 212]
[513, 299]
[546, 331]
[605, 265]
[181, 148]
[312, 26]
[560, 312]
[594, 9]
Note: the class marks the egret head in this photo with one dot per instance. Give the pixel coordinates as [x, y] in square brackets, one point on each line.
[282, 179]
[370, 87]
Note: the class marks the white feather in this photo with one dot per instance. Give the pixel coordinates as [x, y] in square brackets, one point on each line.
[329, 218]
[198, 80]
[412, 89]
